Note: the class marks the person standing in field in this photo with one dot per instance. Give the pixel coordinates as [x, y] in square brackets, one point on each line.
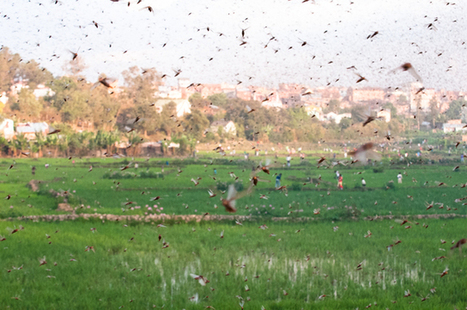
[340, 182]
[33, 170]
[363, 182]
[278, 180]
[288, 160]
[399, 178]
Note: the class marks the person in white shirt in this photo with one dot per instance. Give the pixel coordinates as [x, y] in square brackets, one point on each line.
[363, 182]
[399, 178]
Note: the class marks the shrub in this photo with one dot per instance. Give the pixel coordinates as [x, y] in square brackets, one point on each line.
[119, 175]
[296, 187]
[378, 170]
[389, 185]
[151, 175]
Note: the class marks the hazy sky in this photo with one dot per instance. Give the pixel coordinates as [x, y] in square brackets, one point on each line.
[334, 31]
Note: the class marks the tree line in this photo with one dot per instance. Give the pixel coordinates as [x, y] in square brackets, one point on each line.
[92, 118]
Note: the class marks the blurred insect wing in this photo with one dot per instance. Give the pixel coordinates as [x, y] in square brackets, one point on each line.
[231, 192]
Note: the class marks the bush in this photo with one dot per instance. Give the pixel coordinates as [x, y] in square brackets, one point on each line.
[389, 185]
[378, 170]
[296, 187]
[151, 175]
[119, 175]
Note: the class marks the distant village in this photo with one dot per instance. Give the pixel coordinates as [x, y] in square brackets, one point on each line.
[406, 101]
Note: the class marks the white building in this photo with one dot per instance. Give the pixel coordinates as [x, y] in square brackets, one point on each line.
[228, 126]
[29, 130]
[337, 118]
[7, 129]
[3, 98]
[384, 114]
[273, 102]
[18, 86]
[182, 106]
[168, 92]
[42, 91]
[454, 127]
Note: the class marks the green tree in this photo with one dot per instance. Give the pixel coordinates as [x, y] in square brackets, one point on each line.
[27, 103]
[196, 124]
[345, 123]
[219, 100]
[198, 102]
[9, 66]
[455, 109]
[40, 142]
[434, 113]
[168, 119]
[35, 75]
[22, 144]
[139, 93]
[52, 143]
[134, 140]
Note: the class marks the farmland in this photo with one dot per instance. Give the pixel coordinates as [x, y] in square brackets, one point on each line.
[254, 261]
[107, 189]
[278, 266]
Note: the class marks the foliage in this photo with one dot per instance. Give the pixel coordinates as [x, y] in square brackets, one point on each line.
[455, 109]
[125, 257]
[378, 170]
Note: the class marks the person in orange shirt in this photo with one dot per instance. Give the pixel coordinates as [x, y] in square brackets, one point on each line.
[340, 180]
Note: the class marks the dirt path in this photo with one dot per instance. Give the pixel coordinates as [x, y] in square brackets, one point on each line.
[199, 218]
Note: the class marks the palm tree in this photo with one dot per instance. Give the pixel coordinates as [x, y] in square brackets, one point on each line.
[3, 145]
[100, 140]
[12, 147]
[112, 138]
[52, 141]
[22, 143]
[40, 142]
[133, 140]
[63, 144]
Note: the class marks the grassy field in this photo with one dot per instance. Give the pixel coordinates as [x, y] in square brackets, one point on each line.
[286, 265]
[283, 266]
[106, 189]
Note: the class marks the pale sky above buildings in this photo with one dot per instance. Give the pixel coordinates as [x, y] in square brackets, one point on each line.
[175, 36]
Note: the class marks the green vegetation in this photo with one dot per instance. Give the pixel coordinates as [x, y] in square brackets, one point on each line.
[107, 189]
[131, 268]
[287, 265]
[92, 119]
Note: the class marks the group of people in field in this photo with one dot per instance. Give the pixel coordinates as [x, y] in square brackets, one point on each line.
[340, 179]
